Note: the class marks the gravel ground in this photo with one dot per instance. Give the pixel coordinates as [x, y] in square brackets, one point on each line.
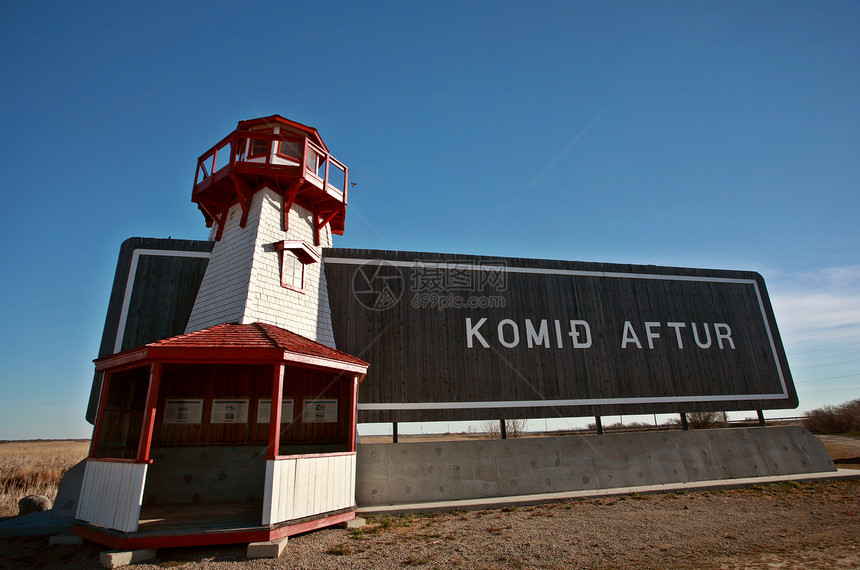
[784, 525]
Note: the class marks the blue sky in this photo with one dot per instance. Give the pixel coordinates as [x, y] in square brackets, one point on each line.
[703, 134]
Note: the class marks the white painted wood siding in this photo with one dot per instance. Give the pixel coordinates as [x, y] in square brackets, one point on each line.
[298, 487]
[242, 282]
[111, 494]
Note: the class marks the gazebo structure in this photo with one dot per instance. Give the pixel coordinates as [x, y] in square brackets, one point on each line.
[235, 433]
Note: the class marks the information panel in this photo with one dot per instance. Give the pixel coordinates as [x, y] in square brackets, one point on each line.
[264, 411]
[320, 411]
[229, 412]
[183, 411]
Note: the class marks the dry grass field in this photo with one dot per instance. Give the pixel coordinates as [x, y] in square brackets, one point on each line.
[35, 468]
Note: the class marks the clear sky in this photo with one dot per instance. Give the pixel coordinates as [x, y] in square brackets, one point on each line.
[702, 134]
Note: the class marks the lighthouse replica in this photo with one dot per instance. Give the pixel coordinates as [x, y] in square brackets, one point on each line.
[273, 196]
[243, 428]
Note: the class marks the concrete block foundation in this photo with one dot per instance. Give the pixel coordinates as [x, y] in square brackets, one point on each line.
[269, 549]
[117, 558]
[402, 473]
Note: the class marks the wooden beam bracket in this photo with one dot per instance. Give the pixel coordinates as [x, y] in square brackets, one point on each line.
[220, 219]
[289, 199]
[320, 221]
[245, 195]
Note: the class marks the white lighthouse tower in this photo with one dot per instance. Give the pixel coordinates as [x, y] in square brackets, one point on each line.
[273, 196]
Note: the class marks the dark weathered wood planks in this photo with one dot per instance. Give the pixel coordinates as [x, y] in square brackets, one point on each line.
[422, 368]
[162, 296]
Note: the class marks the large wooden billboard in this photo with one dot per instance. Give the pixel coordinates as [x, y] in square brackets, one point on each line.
[153, 292]
[453, 337]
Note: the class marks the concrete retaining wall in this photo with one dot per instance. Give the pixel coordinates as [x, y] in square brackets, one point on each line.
[398, 473]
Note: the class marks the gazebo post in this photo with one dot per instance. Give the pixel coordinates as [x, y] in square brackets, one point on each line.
[100, 412]
[149, 413]
[353, 414]
[275, 415]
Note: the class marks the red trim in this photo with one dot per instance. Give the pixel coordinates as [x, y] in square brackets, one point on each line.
[116, 460]
[149, 413]
[300, 249]
[289, 199]
[277, 119]
[121, 361]
[219, 219]
[325, 174]
[245, 195]
[289, 156]
[316, 229]
[131, 542]
[252, 138]
[324, 363]
[275, 412]
[216, 355]
[311, 455]
[310, 525]
[291, 288]
[353, 420]
[122, 541]
[328, 219]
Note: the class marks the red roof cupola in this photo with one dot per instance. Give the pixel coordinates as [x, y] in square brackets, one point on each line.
[274, 152]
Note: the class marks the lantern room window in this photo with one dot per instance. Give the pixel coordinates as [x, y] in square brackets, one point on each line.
[289, 149]
[295, 255]
[259, 147]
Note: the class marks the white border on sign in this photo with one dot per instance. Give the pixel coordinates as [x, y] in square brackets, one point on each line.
[129, 283]
[583, 401]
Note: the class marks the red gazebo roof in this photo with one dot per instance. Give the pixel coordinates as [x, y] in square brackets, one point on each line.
[232, 342]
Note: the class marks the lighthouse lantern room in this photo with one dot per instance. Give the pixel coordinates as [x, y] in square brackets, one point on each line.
[282, 155]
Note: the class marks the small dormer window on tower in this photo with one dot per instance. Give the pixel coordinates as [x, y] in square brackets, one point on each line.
[295, 255]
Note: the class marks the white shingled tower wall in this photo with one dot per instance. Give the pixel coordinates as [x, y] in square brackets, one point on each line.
[243, 279]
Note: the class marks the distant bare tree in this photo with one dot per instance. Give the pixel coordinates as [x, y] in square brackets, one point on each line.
[618, 426]
[707, 420]
[513, 428]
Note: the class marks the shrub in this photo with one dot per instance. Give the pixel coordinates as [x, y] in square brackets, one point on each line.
[706, 420]
[843, 418]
